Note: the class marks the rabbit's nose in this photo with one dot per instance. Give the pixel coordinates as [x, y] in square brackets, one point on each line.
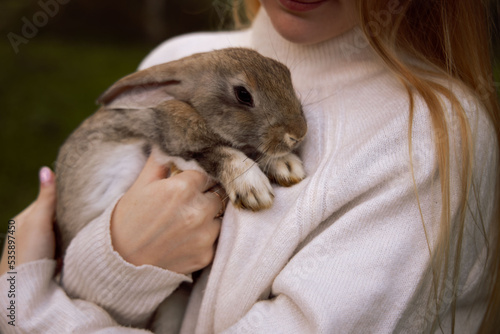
[291, 140]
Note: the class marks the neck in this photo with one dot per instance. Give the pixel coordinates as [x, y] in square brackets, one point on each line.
[329, 61]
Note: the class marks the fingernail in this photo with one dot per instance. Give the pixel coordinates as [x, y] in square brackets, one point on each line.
[45, 175]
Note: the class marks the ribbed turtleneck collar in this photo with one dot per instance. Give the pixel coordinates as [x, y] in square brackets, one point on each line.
[337, 61]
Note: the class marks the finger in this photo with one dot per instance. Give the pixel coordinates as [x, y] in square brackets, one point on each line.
[152, 171]
[219, 198]
[214, 229]
[220, 192]
[174, 170]
[201, 181]
[45, 204]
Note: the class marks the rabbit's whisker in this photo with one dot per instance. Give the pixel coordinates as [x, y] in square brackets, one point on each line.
[306, 98]
[267, 117]
[272, 45]
[267, 165]
[259, 159]
[257, 150]
[294, 63]
[320, 100]
[250, 167]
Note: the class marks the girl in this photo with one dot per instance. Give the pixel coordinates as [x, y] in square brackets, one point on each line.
[395, 229]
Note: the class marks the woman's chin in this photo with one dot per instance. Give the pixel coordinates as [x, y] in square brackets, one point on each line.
[330, 19]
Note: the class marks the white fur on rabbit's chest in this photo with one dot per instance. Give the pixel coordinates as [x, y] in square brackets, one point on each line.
[117, 168]
[121, 166]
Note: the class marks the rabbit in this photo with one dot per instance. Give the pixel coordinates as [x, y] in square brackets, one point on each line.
[232, 113]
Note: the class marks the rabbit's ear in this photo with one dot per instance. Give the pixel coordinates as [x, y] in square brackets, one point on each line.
[151, 86]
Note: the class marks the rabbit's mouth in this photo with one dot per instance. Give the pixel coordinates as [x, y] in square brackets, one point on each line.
[278, 146]
[281, 140]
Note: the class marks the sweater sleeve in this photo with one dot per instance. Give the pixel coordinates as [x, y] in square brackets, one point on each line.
[95, 272]
[37, 304]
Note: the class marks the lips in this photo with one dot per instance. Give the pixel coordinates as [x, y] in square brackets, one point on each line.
[301, 5]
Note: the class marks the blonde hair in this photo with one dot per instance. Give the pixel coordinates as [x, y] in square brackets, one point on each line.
[452, 39]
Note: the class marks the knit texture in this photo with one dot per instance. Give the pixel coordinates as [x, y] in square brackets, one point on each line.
[111, 281]
[343, 251]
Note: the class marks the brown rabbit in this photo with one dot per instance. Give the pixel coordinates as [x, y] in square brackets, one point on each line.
[232, 111]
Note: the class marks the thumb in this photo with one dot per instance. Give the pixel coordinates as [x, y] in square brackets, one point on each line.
[46, 200]
[152, 171]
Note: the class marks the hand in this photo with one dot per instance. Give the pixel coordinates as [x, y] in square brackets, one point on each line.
[167, 222]
[34, 226]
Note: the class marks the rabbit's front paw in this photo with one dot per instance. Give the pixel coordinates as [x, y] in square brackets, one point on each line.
[286, 170]
[250, 189]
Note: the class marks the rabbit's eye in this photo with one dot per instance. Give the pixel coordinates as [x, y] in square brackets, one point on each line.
[243, 96]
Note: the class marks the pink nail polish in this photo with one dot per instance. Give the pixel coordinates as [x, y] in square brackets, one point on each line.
[45, 175]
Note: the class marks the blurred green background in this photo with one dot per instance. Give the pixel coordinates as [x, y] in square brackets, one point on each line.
[49, 84]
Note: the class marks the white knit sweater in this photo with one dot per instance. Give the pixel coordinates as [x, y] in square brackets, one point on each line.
[344, 251]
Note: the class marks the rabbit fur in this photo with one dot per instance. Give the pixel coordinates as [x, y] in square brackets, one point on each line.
[231, 112]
